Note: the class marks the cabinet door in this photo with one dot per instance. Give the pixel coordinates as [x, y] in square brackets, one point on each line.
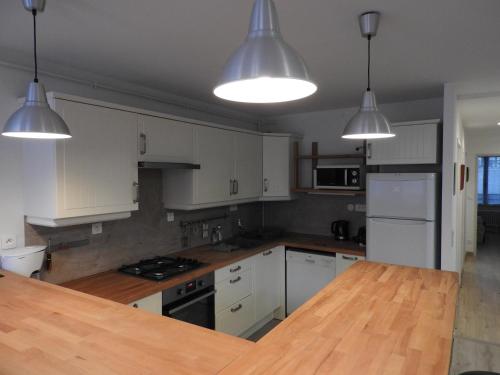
[152, 303]
[215, 156]
[165, 140]
[98, 165]
[238, 318]
[269, 281]
[276, 166]
[344, 261]
[248, 165]
[413, 144]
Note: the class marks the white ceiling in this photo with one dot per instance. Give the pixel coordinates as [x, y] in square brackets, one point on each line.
[480, 113]
[180, 46]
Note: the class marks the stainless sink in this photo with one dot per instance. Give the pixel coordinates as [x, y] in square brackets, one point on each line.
[238, 243]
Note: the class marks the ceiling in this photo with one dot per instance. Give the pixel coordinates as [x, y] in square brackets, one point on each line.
[180, 46]
[480, 113]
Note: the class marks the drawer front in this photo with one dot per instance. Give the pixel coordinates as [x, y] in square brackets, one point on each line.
[233, 289]
[344, 261]
[152, 303]
[237, 318]
[232, 269]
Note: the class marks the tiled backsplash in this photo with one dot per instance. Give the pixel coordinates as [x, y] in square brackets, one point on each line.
[147, 233]
[313, 214]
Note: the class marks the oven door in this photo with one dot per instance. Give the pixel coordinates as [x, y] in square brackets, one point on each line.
[197, 308]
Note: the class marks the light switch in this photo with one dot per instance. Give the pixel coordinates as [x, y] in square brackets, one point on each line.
[233, 208]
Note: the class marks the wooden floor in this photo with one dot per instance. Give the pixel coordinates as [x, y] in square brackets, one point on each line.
[477, 334]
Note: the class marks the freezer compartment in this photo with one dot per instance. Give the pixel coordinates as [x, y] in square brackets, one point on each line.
[402, 242]
[401, 195]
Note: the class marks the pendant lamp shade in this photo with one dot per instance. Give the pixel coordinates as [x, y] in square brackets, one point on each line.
[35, 119]
[265, 69]
[369, 122]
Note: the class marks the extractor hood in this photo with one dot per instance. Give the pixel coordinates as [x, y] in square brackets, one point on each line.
[166, 165]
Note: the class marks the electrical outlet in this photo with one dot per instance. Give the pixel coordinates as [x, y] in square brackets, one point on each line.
[9, 242]
[233, 208]
[360, 208]
[170, 217]
[97, 228]
[350, 207]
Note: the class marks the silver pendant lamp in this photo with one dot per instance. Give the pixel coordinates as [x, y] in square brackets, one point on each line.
[369, 122]
[265, 69]
[35, 119]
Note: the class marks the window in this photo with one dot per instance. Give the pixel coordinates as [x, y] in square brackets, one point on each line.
[488, 180]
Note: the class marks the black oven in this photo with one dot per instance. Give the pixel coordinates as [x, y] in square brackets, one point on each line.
[192, 302]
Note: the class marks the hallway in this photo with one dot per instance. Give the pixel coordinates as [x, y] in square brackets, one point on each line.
[477, 330]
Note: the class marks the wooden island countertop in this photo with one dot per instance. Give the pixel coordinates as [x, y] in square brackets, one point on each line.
[126, 289]
[372, 319]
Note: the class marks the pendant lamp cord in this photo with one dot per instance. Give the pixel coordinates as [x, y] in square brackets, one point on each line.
[34, 45]
[369, 61]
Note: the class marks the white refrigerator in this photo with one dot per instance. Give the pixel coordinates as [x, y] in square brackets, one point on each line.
[401, 219]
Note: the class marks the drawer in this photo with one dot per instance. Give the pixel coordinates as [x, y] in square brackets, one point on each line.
[344, 261]
[237, 318]
[232, 269]
[233, 289]
[152, 303]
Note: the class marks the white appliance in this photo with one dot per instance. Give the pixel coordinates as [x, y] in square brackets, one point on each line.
[306, 274]
[401, 219]
[23, 260]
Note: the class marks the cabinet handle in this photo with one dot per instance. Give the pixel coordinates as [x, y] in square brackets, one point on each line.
[349, 258]
[234, 281]
[310, 260]
[235, 269]
[234, 309]
[144, 146]
[266, 185]
[136, 192]
[266, 253]
[237, 187]
[135, 305]
[368, 150]
[231, 187]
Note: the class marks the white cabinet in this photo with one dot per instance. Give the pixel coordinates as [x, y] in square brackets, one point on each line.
[89, 178]
[247, 166]
[278, 171]
[414, 143]
[344, 261]
[151, 303]
[230, 171]
[165, 140]
[269, 270]
[237, 318]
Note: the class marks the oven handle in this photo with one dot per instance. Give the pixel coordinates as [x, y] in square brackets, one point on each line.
[187, 304]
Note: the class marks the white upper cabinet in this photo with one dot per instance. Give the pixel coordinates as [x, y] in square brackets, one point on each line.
[165, 140]
[230, 171]
[414, 143]
[247, 173]
[278, 171]
[90, 177]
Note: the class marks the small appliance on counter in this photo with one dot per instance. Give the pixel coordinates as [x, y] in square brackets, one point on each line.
[340, 230]
[25, 261]
[161, 268]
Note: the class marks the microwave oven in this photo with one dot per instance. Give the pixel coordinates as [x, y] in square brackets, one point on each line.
[348, 177]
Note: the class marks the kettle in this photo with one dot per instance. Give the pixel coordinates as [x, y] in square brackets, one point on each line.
[340, 230]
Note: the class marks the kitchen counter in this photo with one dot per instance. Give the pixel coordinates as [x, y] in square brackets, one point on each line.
[372, 319]
[123, 288]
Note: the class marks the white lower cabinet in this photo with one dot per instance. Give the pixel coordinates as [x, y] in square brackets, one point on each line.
[151, 303]
[250, 291]
[269, 290]
[344, 261]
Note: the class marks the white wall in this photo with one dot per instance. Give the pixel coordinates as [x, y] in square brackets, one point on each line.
[479, 142]
[13, 83]
[326, 127]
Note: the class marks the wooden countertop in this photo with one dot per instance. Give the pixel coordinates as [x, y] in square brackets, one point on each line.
[373, 319]
[47, 329]
[123, 288]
